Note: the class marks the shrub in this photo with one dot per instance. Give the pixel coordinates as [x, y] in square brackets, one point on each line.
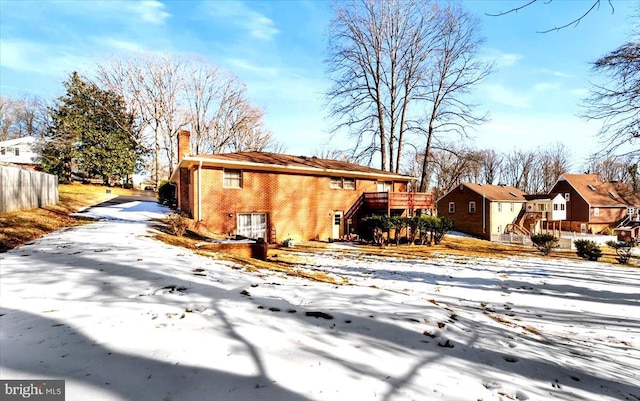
[544, 242]
[288, 243]
[587, 249]
[443, 226]
[167, 194]
[623, 251]
[377, 225]
[177, 223]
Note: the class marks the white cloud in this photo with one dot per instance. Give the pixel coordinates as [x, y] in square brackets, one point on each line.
[117, 44]
[151, 11]
[257, 25]
[39, 58]
[502, 95]
[546, 86]
[248, 66]
[579, 92]
[502, 59]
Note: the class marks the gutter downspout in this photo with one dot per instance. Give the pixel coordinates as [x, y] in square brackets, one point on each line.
[484, 224]
[200, 191]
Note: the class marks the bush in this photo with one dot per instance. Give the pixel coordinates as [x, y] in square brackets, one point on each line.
[544, 242]
[587, 249]
[167, 194]
[623, 251]
[177, 223]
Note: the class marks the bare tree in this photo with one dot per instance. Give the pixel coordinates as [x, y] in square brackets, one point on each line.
[616, 103]
[519, 167]
[554, 161]
[25, 116]
[490, 165]
[611, 168]
[151, 88]
[377, 55]
[168, 94]
[454, 70]
[588, 8]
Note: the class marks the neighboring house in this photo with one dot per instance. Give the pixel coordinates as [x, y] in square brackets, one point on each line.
[276, 197]
[594, 205]
[21, 152]
[543, 212]
[482, 210]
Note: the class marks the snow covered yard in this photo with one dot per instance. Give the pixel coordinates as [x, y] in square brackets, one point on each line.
[122, 316]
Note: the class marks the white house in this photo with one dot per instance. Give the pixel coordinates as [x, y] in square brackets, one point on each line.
[543, 211]
[20, 151]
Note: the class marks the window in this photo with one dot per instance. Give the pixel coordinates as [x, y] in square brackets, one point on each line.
[500, 207]
[591, 187]
[472, 207]
[349, 183]
[452, 207]
[596, 211]
[2, 151]
[511, 207]
[556, 207]
[232, 178]
[342, 183]
[566, 196]
[252, 225]
[542, 207]
[17, 151]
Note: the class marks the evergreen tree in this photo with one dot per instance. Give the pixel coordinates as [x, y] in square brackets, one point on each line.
[91, 133]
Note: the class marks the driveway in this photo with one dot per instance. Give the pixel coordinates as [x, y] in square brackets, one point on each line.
[121, 316]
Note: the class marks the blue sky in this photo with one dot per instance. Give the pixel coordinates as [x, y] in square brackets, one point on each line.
[277, 48]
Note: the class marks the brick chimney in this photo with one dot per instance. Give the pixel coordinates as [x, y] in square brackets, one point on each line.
[184, 146]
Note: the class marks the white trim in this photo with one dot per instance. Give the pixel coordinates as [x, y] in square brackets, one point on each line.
[188, 161]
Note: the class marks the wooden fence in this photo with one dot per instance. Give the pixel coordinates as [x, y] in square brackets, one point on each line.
[25, 189]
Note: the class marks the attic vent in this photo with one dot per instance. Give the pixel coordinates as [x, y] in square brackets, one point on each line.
[591, 187]
[512, 194]
[613, 195]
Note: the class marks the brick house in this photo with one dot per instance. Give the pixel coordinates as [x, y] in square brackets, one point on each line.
[594, 205]
[482, 210]
[276, 196]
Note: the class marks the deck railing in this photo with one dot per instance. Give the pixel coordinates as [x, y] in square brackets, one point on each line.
[398, 200]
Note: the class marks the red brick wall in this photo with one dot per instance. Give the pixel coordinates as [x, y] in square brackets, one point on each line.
[579, 212]
[464, 221]
[297, 206]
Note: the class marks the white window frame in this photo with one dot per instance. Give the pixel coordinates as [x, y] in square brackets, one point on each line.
[511, 207]
[349, 183]
[229, 181]
[452, 207]
[335, 183]
[596, 212]
[566, 196]
[472, 206]
[499, 207]
[256, 228]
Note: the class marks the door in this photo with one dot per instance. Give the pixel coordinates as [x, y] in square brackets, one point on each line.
[252, 225]
[337, 230]
[384, 186]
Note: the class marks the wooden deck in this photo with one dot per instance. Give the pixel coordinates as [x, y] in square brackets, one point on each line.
[398, 200]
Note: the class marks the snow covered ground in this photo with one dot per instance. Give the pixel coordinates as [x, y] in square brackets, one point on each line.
[122, 316]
